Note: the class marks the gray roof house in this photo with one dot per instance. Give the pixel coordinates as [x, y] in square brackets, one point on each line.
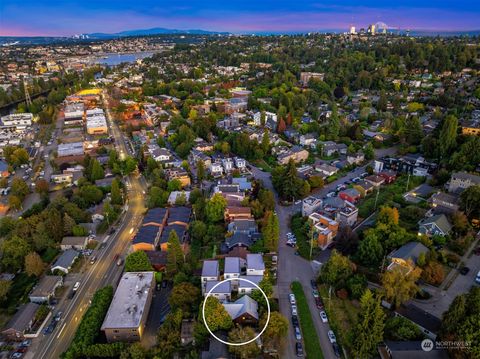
[45, 289]
[406, 253]
[243, 310]
[74, 243]
[210, 270]
[435, 225]
[21, 322]
[222, 292]
[248, 226]
[65, 262]
[255, 264]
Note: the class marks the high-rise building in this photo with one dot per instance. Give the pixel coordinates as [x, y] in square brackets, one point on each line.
[371, 29]
[352, 30]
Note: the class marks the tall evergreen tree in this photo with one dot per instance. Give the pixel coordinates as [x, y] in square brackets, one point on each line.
[175, 257]
[448, 135]
[116, 193]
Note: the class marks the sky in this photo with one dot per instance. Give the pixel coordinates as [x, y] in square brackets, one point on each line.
[67, 18]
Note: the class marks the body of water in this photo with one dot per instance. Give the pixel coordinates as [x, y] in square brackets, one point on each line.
[117, 59]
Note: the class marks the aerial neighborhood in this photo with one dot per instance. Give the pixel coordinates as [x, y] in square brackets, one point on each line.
[279, 193]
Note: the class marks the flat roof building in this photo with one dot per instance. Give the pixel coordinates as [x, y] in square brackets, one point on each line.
[128, 312]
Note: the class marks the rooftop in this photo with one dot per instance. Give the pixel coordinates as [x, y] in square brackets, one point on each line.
[210, 269]
[129, 301]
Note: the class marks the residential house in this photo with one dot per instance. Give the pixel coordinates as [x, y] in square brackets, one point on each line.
[444, 203]
[146, 238]
[255, 264]
[240, 163]
[310, 204]
[66, 261]
[21, 323]
[247, 226]
[270, 119]
[77, 243]
[127, 315]
[356, 158]
[238, 239]
[330, 148]
[233, 213]
[460, 181]
[222, 291]
[325, 169]
[375, 180]
[296, 153]
[428, 324]
[178, 196]
[178, 173]
[389, 176]
[187, 332]
[243, 183]
[243, 311]
[216, 169]
[324, 229]
[45, 289]
[308, 140]
[410, 350]
[233, 269]
[157, 259]
[227, 164]
[350, 195]
[245, 287]
[210, 272]
[436, 225]
[407, 255]
[364, 188]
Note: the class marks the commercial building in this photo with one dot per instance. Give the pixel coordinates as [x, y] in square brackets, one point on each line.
[128, 312]
[324, 229]
[70, 149]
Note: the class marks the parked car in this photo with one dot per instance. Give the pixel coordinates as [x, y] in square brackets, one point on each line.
[26, 343]
[323, 316]
[315, 293]
[299, 349]
[16, 355]
[294, 310]
[336, 350]
[298, 334]
[93, 260]
[313, 283]
[295, 320]
[464, 270]
[331, 336]
[291, 244]
[291, 297]
[319, 303]
[119, 261]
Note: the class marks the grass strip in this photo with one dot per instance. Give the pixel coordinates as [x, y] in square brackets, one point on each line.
[309, 333]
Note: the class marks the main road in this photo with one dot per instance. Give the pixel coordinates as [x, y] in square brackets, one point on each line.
[104, 271]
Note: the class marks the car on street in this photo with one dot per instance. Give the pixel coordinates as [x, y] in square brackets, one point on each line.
[464, 270]
[319, 303]
[330, 194]
[291, 244]
[313, 283]
[299, 349]
[21, 350]
[477, 278]
[294, 310]
[93, 260]
[356, 179]
[291, 297]
[16, 355]
[315, 293]
[336, 350]
[298, 334]
[331, 336]
[295, 320]
[323, 316]
[26, 343]
[58, 316]
[119, 261]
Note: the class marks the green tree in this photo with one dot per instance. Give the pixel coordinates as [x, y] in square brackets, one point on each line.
[14, 251]
[370, 326]
[175, 257]
[215, 208]
[5, 286]
[370, 250]
[198, 230]
[96, 171]
[276, 331]
[116, 194]
[216, 316]
[14, 202]
[336, 270]
[470, 201]
[42, 187]
[137, 262]
[369, 151]
[200, 170]
[34, 264]
[90, 194]
[19, 188]
[448, 136]
[400, 287]
[184, 296]
[240, 335]
[400, 328]
[271, 231]
[174, 185]
[129, 165]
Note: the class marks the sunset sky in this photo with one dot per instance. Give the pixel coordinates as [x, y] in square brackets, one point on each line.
[66, 18]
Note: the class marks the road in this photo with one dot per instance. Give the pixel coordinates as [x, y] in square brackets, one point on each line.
[104, 271]
[294, 268]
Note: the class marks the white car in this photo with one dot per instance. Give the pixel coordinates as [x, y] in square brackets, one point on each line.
[294, 310]
[291, 296]
[330, 194]
[331, 336]
[77, 284]
[323, 316]
[298, 334]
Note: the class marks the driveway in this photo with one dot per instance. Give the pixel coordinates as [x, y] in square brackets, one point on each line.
[156, 316]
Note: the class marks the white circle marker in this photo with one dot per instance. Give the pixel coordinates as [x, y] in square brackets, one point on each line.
[210, 293]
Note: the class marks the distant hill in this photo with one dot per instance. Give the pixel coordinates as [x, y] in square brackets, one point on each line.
[153, 31]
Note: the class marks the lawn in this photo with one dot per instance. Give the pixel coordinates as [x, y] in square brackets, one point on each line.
[342, 315]
[262, 165]
[312, 345]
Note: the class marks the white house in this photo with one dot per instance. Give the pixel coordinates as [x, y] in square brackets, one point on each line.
[222, 292]
[227, 164]
[269, 116]
[255, 264]
[216, 169]
[246, 287]
[240, 163]
[233, 269]
[210, 272]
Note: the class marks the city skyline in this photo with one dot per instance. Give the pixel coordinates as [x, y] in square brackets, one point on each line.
[44, 18]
